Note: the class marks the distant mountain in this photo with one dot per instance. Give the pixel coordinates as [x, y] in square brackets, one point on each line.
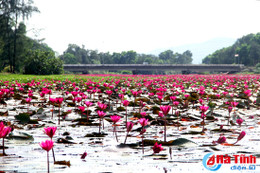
[200, 50]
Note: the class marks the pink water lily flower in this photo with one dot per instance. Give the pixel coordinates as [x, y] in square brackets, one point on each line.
[115, 118]
[81, 108]
[160, 114]
[83, 155]
[4, 131]
[221, 140]
[121, 96]
[204, 108]
[59, 100]
[129, 126]
[173, 98]
[74, 93]
[52, 100]
[88, 103]
[126, 102]
[234, 104]
[165, 109]
[109, 92]
[239, 121]
[241, 136]
[176, 103]
[143, 114]
[157, 148]
[28, 100]
[248, 93]
[102, 106]
[50, 131]
[101, 114]
[47, 145]
[143, 121]
[230, 109]
[135, 93]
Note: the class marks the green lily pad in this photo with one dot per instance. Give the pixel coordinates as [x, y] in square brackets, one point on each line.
[94, 134]
[23, 118]
[20, 136]
[40, 111]
[120, 109]
[132, 145]
[182, 142]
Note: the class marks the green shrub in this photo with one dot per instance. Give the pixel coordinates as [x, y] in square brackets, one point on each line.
[43, 63]
[126, 72]
[7, 69]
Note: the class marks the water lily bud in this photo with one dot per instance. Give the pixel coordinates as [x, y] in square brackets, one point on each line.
[241, 135]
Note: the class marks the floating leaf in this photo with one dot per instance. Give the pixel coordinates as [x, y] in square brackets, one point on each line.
[20, 136]
[95, 134]
[4, 113]
[23, 117]
[133, 145]
[63, 162]
[40, 111]
[155, 109]
[144, 99]
[177, 142]
[71, 104]
[120, 109]
[18, 96]
[64, 141]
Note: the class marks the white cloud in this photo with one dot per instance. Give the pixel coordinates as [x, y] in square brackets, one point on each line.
[142, 25]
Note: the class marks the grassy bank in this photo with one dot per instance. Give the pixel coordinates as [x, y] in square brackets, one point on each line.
[28, 78]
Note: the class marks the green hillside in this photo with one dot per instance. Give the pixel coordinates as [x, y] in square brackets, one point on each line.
[245, 50]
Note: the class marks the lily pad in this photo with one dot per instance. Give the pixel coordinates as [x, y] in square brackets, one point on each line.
[4, 113]
[23, 118]
[95, 134]
[64, 141]
[132, 145]
[19, 136]
[40, 111]
[178, 142]
[120, 109]
[63, 162]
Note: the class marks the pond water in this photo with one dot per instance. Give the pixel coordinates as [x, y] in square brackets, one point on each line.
[105, 154]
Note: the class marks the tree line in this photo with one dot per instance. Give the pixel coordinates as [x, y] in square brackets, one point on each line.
[19, 53]
[22, 54]
[245, 50]
[75, 54]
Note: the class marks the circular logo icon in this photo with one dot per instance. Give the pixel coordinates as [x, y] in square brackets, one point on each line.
[214, 167]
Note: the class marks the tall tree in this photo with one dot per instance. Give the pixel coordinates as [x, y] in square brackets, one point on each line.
[12, 11]
[168, 57]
